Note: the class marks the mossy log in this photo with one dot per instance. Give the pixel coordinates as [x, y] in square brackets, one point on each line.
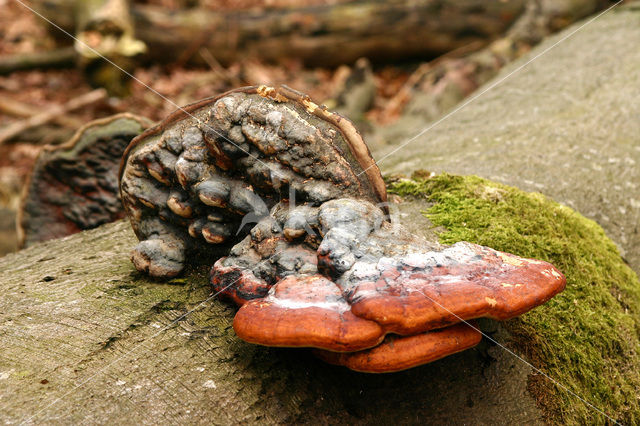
[86, 337]
[321, 35]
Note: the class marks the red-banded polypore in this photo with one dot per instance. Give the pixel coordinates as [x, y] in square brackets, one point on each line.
[284, 199]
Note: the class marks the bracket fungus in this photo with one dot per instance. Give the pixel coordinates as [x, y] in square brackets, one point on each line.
[74, 186]
[285, 200]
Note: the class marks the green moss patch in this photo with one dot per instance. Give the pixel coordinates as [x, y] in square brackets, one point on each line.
[586, 338]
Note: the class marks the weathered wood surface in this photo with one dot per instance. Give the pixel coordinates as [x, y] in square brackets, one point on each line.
[565, 125]
[439, 85]
[86, 338]
[327, 35]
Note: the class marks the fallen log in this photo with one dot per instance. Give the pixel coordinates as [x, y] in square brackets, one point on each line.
[441, 84]
[85, 337]
[321, 35]
[57, 58]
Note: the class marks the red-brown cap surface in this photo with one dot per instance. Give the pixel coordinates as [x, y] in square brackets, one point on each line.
[238, 285]
[424, 291]
[305, 311]
[397, 353]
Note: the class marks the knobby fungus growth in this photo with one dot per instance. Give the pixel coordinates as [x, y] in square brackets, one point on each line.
[284, 199]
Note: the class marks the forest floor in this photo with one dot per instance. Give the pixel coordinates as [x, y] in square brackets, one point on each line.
[34, 91]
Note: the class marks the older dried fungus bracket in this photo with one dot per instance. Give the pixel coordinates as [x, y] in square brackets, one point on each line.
[211, 170]
[289, 192]
[74, 186]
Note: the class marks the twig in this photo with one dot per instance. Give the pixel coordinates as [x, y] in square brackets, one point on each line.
[16, 108]
[58, 58]
[18, 127]
[217, 68]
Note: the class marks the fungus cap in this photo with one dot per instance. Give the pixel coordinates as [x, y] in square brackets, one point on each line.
[305, 311]
[425, 290]
[218, 165]
[326, 270]
[398, 353]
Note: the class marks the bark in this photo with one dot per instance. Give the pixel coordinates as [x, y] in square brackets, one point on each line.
[322, 35]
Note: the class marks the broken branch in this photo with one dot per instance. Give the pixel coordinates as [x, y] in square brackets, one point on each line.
[58, 58]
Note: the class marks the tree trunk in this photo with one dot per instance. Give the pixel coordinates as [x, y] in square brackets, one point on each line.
[321, 35]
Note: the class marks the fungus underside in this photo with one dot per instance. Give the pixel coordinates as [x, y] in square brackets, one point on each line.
[586, 338]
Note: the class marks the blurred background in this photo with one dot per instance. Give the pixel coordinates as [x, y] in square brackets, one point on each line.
[64, 63]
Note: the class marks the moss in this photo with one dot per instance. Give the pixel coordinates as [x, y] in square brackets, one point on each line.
[586, 338]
